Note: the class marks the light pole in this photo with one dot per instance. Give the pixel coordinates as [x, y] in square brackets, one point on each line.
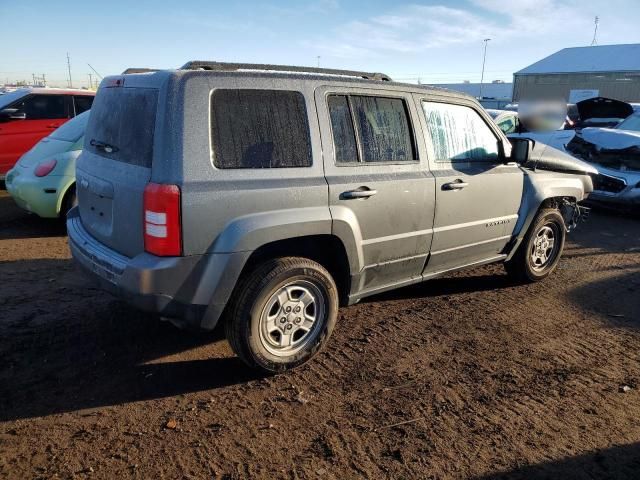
[484, 58]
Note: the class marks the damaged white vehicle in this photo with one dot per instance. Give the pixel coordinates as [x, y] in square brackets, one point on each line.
[615, 152]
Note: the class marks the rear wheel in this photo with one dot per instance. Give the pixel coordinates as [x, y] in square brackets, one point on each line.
[282, 313]
[69, 201]
[541, 249]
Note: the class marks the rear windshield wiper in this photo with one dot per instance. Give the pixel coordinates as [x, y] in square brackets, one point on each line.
[103, 146]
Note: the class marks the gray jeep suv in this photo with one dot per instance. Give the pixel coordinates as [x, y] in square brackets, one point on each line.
[267, 196]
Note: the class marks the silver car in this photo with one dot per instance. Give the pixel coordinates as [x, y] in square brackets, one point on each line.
[266, 197]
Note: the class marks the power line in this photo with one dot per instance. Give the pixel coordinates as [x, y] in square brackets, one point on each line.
[95, 71]
[595, 32]
[484, 58]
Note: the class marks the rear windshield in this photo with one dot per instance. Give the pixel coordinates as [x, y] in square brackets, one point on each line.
[73, 129]
[122, 123]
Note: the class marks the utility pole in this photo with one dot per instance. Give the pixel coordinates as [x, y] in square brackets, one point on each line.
[44, 80]
[484, 58]
[594, 42]
[69, 68]
[90, 82]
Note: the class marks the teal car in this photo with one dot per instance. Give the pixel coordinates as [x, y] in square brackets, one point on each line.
[43, 181]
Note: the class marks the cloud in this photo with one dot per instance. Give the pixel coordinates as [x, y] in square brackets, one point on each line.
[417, 28]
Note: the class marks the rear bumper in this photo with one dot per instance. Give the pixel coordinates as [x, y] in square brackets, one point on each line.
[193, 290]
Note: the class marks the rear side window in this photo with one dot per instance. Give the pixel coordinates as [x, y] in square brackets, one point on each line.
[82, 103]
[72, 130]
[122, 123]
[259, 129]
[458, 133]
[43, 107]
[382, 129]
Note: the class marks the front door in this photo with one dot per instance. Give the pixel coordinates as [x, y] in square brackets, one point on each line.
[478, 195]
[378, 182]
[44, 114]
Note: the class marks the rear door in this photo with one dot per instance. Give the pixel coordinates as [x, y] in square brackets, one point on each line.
[44, 114]
[477, 195]
[115, 166]
[377, 174]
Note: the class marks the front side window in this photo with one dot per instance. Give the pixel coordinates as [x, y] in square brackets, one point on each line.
[43, 107]
[82, 103]
[259, 129]
[458, 133]
[382, 129]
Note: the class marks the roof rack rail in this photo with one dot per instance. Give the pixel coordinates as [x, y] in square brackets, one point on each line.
[231, 67]
[140, 70]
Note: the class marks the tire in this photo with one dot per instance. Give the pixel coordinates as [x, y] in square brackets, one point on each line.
[282, 313]
[535, 258]
[69, 201]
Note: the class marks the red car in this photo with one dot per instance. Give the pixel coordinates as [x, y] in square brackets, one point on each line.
[30, 114]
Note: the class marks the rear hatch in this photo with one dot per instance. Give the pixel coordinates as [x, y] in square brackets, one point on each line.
[115, 165]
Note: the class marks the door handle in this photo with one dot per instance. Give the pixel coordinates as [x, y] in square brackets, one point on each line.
[360, 193]
[457, 185]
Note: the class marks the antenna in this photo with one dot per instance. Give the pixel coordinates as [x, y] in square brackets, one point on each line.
[69, 68]
[595, 32]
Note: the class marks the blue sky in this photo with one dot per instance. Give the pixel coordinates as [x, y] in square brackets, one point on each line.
[435, 41]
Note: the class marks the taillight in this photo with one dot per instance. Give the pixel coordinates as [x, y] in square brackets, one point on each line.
[162, 230]
[45, 168]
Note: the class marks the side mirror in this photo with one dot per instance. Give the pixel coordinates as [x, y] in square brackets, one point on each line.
[520, 149]
[12, 114]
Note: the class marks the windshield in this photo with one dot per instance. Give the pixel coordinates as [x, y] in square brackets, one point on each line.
[631, 123]
[73, 129]
[9, 98]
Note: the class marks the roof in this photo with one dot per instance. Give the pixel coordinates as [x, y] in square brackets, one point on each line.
[599, 58]
[54, 91]
[145, 77]
[489, 90]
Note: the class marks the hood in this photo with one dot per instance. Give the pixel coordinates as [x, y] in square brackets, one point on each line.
[600, 107]
[544, 157]
[44, 149]
[611, 138]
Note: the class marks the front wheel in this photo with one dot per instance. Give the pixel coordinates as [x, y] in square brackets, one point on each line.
[539, 253]
[282, 313]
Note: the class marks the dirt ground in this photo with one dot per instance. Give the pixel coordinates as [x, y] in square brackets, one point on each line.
[466, 376]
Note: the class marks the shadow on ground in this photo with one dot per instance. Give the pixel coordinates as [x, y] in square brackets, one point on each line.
[611, 463]
[66, 346]
[16, 223]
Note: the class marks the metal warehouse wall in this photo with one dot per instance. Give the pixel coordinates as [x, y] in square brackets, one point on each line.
[619, 85]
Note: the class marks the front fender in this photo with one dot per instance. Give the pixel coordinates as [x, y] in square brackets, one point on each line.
[540, 186]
